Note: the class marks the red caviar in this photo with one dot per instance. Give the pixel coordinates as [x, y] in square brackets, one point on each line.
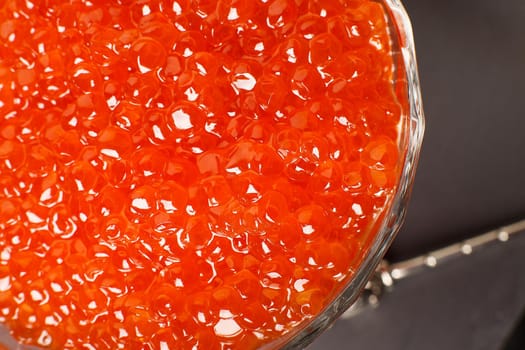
[183, 174]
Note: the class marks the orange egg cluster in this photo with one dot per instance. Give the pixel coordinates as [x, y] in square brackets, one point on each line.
[188, 174]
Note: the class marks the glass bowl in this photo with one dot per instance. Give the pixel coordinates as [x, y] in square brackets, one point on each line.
[387, 224]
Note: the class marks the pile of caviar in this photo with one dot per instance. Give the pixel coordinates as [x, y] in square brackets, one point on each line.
[188, 174]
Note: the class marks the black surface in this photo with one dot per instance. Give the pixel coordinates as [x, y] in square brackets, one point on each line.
[516, 340]
[471, 56]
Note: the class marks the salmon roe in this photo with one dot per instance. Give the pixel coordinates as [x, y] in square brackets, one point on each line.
[188, 174]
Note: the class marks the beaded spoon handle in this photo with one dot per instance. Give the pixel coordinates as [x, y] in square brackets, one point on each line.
[386, 274]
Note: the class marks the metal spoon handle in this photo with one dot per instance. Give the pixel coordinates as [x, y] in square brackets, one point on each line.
[386, 275]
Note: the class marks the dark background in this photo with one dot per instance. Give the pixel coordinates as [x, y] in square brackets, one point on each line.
[471, 56]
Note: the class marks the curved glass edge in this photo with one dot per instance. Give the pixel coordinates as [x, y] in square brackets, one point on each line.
[394, 218]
